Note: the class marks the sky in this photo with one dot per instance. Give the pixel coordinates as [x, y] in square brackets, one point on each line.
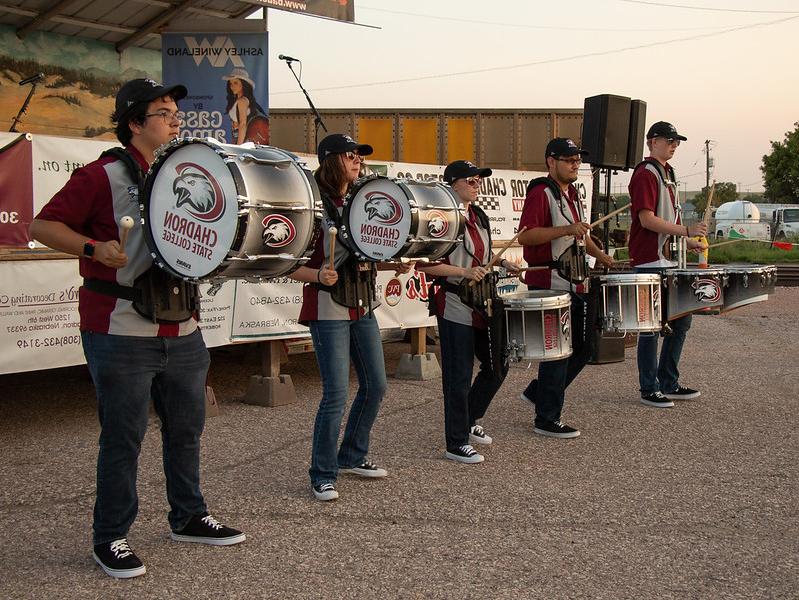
[724, 71]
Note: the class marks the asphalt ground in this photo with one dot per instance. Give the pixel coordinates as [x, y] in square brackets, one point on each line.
[697, 501]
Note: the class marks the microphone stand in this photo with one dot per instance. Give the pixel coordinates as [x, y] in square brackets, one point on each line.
[317, 117]
[18, 119]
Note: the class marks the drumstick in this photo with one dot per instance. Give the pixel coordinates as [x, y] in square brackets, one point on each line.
[126, 224]
[611, 214]
[706, 216]
[332, 231]
[499, 254]
[539, 268]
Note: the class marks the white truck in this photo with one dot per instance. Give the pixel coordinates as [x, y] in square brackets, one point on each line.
[742, 216]
[785, 223]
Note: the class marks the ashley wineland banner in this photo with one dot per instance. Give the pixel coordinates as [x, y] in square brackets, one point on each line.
[227, 78]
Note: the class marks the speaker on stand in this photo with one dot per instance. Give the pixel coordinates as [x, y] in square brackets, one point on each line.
[613, 132]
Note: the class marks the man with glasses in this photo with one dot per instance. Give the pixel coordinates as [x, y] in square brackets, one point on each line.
[464, 328]
[653, 189]
[557, 227]
[133, 359]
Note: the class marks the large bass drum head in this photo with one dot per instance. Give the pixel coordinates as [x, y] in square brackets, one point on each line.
[378, 218]
[190, 209]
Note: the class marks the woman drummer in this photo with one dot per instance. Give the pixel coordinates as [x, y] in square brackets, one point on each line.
[463, 330]
[340, 326]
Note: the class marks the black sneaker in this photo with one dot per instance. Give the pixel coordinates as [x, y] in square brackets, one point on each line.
[657, 400]
[204, 529]
[464, 454]
[477, 435]
[682, 393]
[366, 469]
[325, 492]
[555, 429]
[117, 559]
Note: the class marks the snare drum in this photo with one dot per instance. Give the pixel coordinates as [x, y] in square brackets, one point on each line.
[538, 325]
[630, 302]
[217, 211]
[692, 290]
[747, 284]
[387, 219]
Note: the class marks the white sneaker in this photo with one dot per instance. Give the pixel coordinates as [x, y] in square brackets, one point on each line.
[325, 492]
[465, 454]
[477, 435]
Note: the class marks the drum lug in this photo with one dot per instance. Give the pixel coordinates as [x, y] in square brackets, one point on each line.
[746, 280]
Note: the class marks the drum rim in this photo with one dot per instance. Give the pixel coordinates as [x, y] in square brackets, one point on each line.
[547, 299]
[639, 278]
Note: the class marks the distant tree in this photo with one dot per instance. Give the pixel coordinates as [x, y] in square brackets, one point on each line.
[755, 198]
[725, 192]
[781, 169]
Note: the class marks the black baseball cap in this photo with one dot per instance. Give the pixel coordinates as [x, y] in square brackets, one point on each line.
[463, 168]
[138, 91]
[338, 143]
[563, 147]
[664, 130]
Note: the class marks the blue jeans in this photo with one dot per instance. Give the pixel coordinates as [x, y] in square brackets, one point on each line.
[465, 401]
[333, 341]
[128, 371]
[554, 376]
[662, 375]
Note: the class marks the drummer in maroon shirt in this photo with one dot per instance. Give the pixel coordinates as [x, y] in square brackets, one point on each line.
[655, 219]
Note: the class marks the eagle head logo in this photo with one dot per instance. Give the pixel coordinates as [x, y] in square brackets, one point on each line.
[199, 192]
[382, 208]
[437, 224]
[706, 290]
[565, 324]
[278, 231]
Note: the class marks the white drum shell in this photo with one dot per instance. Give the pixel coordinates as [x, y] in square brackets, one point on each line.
[630, 302]
[538, 325]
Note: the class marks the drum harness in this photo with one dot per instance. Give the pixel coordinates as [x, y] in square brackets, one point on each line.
[156, 295]
[356, 279]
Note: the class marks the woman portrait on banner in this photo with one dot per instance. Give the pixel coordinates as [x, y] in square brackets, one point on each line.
[338, 302]
[248, 119]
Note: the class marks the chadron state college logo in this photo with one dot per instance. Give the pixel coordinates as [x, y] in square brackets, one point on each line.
[198, 192]
[437, 224]
[706, 290]
[278, 232]
[381, 207]
[393, 293]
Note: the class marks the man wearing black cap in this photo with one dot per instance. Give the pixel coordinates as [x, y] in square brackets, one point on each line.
[557, 228]
[133, 359]
[654, 219]
[463, 328]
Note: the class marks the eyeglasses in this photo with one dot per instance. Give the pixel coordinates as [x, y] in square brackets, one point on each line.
[571, 161]
[354, 156]
[671, 141]
[472, 181]
[167, 115]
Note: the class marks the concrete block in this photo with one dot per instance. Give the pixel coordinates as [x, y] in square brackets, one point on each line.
[418, 367]
[270, 391]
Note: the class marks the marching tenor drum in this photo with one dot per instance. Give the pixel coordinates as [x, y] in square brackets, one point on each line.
[387, 219]
[216, 211]
[747, 284]
[538, 325]
[629, 302]
[692, 290]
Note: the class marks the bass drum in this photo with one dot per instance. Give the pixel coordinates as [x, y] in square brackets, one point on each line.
[388, 219]
[217, 211]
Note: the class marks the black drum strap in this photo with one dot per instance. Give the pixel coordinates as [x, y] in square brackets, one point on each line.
[127, 159]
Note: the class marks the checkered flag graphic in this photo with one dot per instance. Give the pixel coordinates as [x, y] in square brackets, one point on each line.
[488, 203]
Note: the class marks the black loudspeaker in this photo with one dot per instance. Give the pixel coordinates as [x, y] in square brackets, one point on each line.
[635, 141]
[606, 129]
[606, 350]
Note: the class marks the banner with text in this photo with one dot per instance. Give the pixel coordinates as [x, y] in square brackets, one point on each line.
[16, 189]
[341, 10]
[227, 78]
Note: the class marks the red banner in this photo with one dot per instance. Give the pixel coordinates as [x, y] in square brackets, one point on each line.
[16, 192]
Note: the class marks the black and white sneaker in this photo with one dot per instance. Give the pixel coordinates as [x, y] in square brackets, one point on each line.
[682, 393]
[477, 435]
[204, 529]
[464, 454]
[555, 429]
[657, 400]
[325, 492]
[366, 469]
[118, 560]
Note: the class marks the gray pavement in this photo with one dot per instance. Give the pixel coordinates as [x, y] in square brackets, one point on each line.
[698, 501]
